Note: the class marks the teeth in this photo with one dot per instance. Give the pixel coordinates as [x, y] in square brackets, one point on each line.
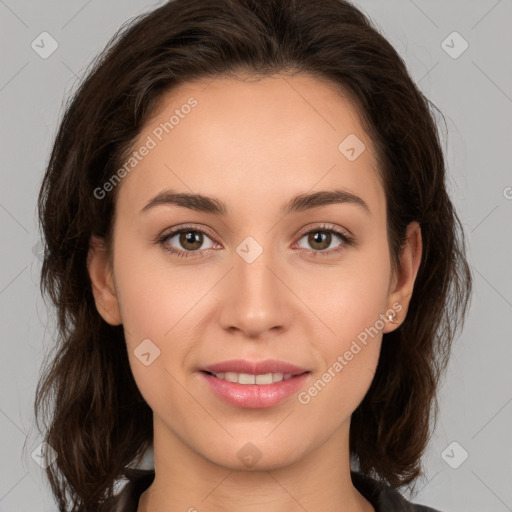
[247, 378]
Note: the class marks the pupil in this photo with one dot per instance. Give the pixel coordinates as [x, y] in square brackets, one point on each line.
[191, 237]
[321, 236]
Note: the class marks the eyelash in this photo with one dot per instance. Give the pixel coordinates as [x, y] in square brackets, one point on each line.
[161, 240]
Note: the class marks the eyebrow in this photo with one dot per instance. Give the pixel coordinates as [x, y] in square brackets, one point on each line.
[300, 203]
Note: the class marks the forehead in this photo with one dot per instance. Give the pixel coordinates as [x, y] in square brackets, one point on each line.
[252, 138]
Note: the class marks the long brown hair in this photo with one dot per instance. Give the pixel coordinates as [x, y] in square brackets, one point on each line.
[99, 423]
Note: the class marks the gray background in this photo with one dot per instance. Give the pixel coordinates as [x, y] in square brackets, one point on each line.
[474, 91]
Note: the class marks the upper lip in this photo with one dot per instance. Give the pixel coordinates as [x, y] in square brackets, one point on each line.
[254, 367]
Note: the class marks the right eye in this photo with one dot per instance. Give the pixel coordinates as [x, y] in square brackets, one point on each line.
[189, 238]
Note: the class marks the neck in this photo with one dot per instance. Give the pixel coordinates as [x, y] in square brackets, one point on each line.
[187, 481]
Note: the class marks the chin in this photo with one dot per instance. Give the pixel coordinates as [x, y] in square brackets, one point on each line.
[254, 456]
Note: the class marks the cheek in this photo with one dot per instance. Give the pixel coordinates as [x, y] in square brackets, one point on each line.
[350, 300]
[351, 296]
[153, 296]
[154, 311]
[349, 357]
[158, 339]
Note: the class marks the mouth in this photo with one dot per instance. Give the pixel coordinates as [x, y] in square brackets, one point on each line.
[248, 378]
[254, 385]
[244, 369]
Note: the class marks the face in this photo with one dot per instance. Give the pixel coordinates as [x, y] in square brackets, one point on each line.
[253, 275]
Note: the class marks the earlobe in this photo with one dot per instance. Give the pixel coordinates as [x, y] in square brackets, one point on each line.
[102, 282]
[405, 276]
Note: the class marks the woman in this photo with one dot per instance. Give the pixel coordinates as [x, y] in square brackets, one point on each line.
[257, 269]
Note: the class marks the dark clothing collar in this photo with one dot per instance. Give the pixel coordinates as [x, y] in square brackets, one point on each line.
[383, 497]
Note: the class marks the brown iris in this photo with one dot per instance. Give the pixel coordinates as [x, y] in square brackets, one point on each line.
[322, 238]
[191, 237]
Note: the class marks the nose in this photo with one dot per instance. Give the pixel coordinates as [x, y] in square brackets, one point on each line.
[257, 303]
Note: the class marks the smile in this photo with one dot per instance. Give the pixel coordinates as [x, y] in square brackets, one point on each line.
[247, 378]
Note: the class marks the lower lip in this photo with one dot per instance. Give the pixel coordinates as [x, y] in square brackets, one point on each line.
[255, 396]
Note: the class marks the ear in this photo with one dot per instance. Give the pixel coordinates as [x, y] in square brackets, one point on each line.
[403, 279]
[102, 282]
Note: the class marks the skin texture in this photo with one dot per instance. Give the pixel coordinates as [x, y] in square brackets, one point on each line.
[254, 145]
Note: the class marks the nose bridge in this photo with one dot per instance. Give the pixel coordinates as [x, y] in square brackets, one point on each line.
[255, 299]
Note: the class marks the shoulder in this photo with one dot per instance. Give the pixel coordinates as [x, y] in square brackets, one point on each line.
[383, 497]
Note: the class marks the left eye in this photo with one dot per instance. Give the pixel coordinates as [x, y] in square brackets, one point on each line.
[321, 239]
